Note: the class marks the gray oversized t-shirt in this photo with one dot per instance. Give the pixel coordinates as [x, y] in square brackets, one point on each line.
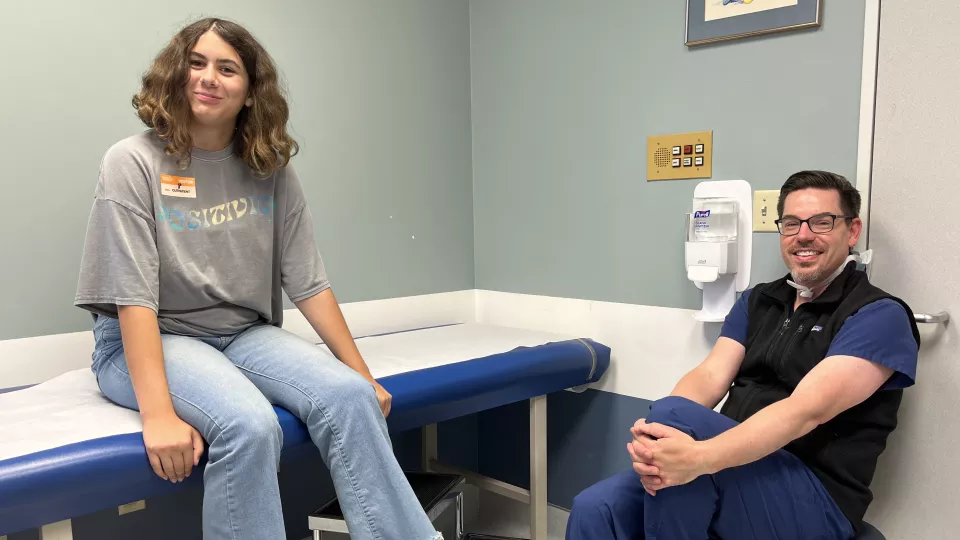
[209, 248]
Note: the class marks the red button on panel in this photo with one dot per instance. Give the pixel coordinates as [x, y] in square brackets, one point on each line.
[688, 149]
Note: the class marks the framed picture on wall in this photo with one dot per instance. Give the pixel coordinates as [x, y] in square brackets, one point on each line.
[709, 21]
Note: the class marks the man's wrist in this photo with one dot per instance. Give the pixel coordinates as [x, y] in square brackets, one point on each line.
[707, 457]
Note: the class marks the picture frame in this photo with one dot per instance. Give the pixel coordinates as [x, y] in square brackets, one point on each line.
[712, 21]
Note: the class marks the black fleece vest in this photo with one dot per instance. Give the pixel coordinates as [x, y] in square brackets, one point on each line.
[782, 347]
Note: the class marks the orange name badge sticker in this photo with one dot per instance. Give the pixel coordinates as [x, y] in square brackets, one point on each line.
[178, 186]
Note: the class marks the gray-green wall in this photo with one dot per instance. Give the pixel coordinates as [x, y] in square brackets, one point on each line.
[565, 94]
[380, 96]
[496, 144]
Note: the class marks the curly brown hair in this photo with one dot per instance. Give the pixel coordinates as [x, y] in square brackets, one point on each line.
[262, 142]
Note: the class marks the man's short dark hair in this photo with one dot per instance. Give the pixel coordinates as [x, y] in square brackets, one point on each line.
[849, 196]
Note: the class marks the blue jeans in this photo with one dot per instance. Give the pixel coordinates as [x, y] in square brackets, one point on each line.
[224, 387]
[774, 498]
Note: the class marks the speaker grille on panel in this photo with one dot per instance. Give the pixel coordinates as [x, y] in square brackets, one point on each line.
[662, 157]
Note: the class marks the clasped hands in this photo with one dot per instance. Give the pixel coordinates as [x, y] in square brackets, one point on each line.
[664, 456]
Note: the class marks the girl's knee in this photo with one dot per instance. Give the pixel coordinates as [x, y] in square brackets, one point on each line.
[255, 428]
[352, 390]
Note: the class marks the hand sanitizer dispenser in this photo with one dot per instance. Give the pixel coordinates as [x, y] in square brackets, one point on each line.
[718, 245]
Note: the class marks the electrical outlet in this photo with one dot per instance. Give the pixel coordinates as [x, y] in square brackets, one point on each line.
[765, 210]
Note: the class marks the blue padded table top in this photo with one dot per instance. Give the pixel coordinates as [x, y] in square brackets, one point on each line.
[445, 373]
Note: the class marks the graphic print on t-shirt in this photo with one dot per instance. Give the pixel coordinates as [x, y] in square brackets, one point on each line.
[192, 220]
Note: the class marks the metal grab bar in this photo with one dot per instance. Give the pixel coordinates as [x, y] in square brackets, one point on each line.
[936, 318]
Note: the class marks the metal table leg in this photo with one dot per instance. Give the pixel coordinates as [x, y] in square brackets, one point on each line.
[538, 468]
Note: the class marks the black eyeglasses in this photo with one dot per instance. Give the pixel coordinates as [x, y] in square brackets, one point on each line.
[818, 224]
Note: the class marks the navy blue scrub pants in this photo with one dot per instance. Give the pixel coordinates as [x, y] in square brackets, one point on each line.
[775, 498]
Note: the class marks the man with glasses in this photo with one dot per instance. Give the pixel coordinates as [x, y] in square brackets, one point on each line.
[813, 366]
